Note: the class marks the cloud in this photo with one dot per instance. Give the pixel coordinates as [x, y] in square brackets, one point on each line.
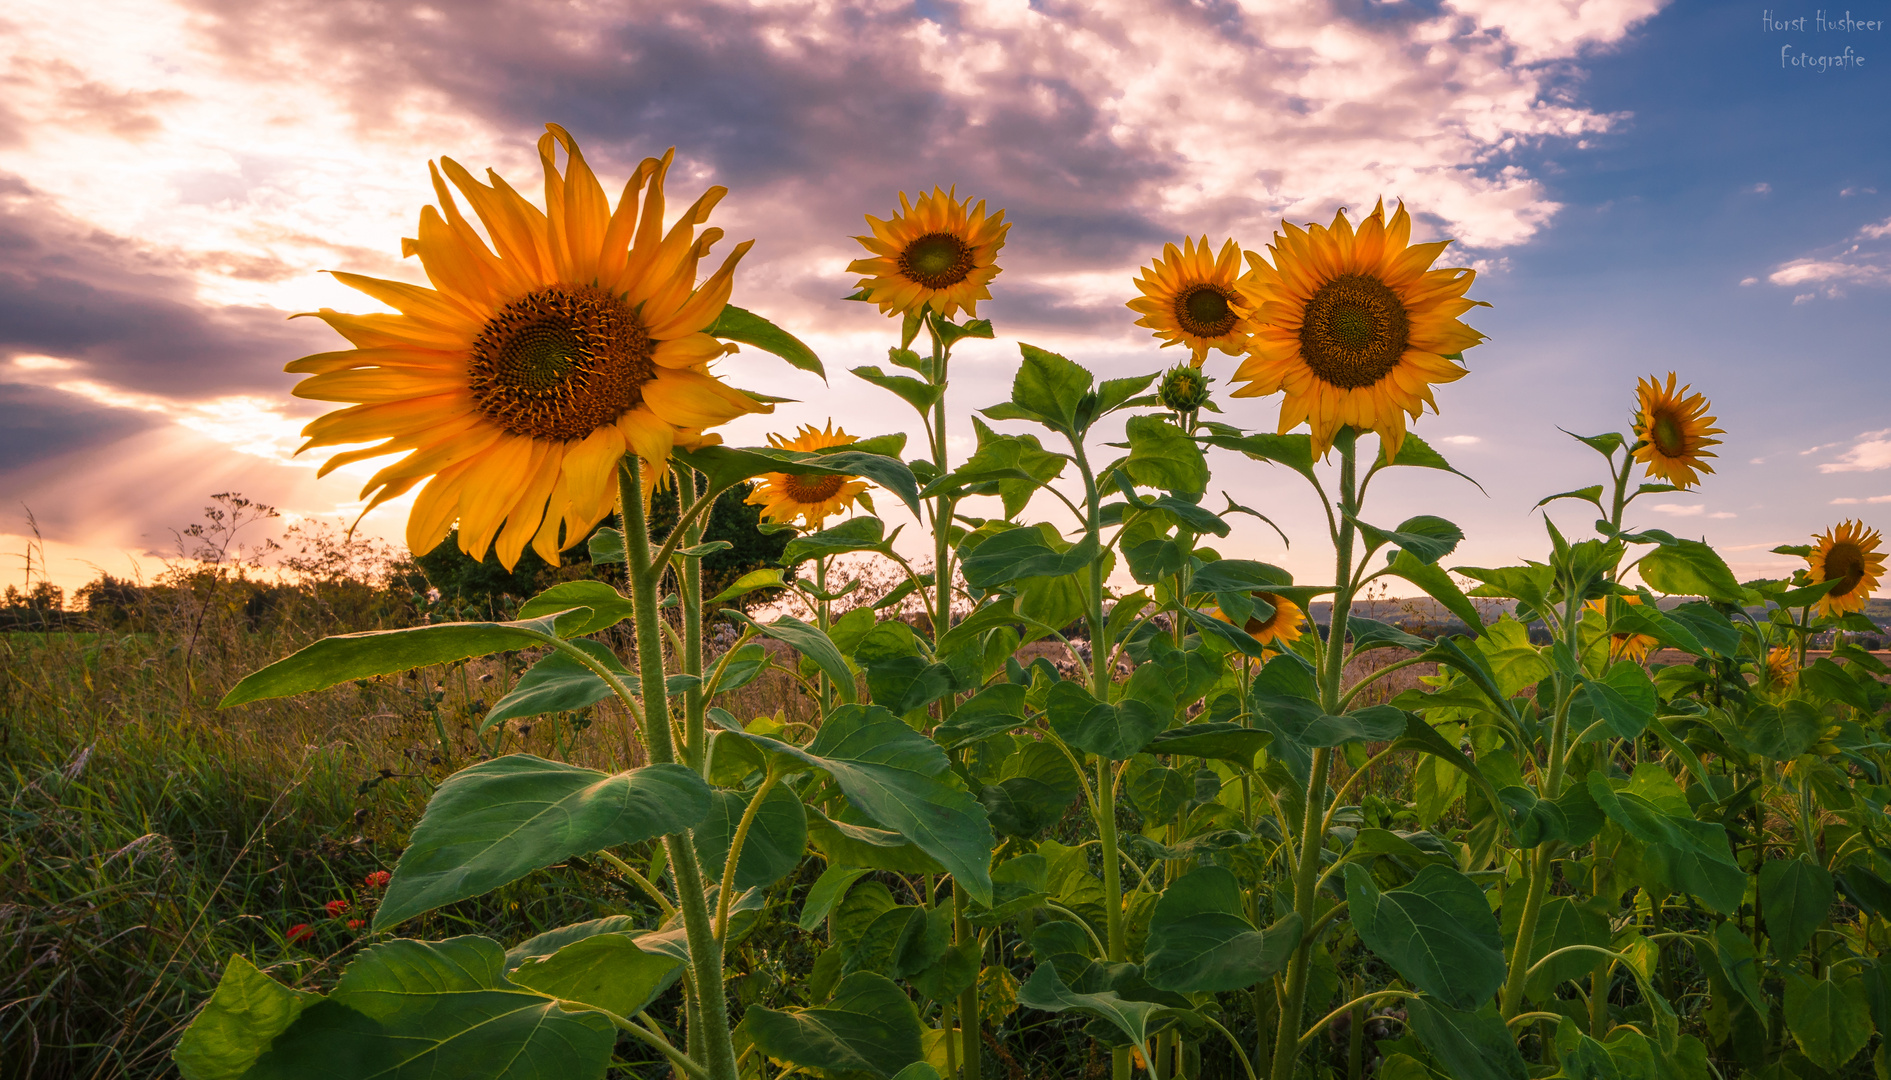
[1843, 501]
[1460, 440]
[1680, 509]
[1871, 453]
[1723, 514]
[1862, 259]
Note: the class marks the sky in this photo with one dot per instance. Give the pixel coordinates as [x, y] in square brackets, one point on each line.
[1643, 187]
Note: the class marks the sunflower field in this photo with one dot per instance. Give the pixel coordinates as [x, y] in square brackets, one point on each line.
[1109, 802]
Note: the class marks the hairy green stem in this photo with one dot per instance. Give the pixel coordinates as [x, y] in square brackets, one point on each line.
[712, 1019]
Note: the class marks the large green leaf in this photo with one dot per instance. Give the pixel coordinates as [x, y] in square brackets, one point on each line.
[1829, 1018]
[778, 835]
[1438, 585]
[1199, 941]
[1047, 388]
[245, 1013]
[558, 683]
[1690, 568]
[899, 778]
[1683, 854]
[984, 714]
[1425, 538]
[1162, 456]
[1023, 552]
[1795, 897]
[868, 1026]
[495, 822]
[1222, 741]
[1115, 731]
[1470, 1045]
[902, 684]
[1561, 922]
[740, 324]
[1099, 993]
[1437, 932]
[1284, 701]
[1624, 698]
[412, 1010]
[855, 534]
[608, 607]
[346, 657]
[608, 971]
[1293, 451]
[1414, 451]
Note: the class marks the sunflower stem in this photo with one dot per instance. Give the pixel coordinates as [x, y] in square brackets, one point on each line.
[690, 573]
[710, 1019]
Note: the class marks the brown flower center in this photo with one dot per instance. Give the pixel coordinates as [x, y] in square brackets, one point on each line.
[560, 363]
[1846, 561]
[1354, 331]
[936, 260]
[813, 488]
[1204, 311]
[1667, 435]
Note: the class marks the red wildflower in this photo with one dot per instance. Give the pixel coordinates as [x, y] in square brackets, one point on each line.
[356, 924]
[335, 908]
[378, 879]
[299, 932]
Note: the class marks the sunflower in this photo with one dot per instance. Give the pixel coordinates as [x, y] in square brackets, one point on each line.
[1280, 629]
[1781, 666]
[940, 253]
[1353, 326]
[1849, 552]
[1671, 432]
[1634, 647]
[813, 499]
[520, 379]
[1190, 299]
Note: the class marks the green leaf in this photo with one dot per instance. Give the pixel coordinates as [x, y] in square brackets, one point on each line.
[608, 606]
[1685, 855]
[557, 683]
[1162, 455]
[1592, 493]
[777, 836]
[1199, 940]
[495, 822]
[1369, 634]
[411, 1009]
[768, 577]
[607, 971]
[1293, 451]
[1113, 394]
[606, 546]
[897, 777]
[1561, 922]
[827, 891]
[905, 683]
[1426, 538]
[1624, 697]
[984, 714]
[245, 1013]
[1048, 388]
[1690, 568]
[868, 1026]
[918, 393]
[1796, 895]
[1419, 453]
[1829, 1018]
[1115, 731]
[1470, 1045]
[1781, 732]
[1605, 444]
[1097, 995]
[738, 324]
[1023, 552]
[1437, 932]
[811, 642]
[346, 657]
[1438, 585]
[1233, 743]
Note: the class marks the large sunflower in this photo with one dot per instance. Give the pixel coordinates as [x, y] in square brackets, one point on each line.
[1280, 629]
[783, 497]
[1192, 298]
[1849, 552]
[520, 379]
[1671, 431]
[1353, 326]
[938, 253]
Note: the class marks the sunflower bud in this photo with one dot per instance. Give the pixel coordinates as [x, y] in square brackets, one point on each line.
[1184, 389]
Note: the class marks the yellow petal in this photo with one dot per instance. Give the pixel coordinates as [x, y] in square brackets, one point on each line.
[692, 400]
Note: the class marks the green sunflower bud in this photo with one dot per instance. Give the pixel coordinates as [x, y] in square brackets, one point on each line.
[1184, 389]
